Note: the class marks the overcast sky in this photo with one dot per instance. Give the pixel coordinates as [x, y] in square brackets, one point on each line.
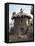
[16, 8]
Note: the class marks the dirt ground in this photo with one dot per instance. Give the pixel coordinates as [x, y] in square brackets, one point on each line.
[16, 38]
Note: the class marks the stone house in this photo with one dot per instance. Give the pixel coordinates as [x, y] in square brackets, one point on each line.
[23, 26]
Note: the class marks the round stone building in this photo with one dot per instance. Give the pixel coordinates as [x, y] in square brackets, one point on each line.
[23, 26]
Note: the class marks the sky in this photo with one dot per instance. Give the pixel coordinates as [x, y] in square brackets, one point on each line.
[16, 8]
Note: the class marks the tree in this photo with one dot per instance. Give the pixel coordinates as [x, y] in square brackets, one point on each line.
[32, 10]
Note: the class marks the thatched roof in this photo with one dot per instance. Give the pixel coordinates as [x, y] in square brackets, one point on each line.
[22, 15]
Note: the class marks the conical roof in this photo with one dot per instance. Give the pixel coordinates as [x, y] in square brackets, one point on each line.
[21, 13]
